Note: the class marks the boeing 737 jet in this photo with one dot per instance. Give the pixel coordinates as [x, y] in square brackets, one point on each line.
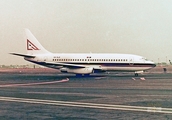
[82, 63]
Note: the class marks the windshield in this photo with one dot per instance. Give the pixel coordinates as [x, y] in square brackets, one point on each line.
[144, 59]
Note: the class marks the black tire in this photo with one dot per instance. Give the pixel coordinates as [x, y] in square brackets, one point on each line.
[136, 74]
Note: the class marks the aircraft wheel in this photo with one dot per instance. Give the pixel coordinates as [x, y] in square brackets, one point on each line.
[136, 74]
[78, 75]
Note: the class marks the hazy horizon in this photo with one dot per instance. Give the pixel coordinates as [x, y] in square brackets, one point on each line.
[141, 27]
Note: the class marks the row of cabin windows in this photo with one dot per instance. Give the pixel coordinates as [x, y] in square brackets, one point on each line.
[90, 60]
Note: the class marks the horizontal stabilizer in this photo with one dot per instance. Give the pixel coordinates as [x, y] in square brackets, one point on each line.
[23, 55]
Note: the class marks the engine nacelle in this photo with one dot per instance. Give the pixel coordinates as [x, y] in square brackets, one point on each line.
[77, 70]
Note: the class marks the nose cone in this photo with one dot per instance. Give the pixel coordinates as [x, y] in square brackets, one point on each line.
[152, 64]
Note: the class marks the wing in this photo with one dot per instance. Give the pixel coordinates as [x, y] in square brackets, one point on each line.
[68, 65]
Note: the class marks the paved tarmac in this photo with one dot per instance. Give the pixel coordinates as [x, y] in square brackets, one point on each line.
[99, 97]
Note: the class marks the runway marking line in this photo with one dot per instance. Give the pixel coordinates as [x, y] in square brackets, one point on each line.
[38, 83]
[89, 105]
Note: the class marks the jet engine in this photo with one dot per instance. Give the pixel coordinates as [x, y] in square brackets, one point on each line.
[88, 70]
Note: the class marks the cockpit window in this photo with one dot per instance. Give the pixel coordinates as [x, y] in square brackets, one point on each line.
[144, 59]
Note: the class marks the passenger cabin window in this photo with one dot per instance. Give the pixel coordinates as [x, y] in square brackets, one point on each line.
[122, 60]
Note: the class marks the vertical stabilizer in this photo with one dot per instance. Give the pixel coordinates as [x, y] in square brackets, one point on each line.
[32, 44]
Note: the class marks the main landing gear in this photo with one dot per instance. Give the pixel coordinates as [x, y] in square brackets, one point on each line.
[82, 75]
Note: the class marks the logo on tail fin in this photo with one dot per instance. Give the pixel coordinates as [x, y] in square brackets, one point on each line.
[31, 46]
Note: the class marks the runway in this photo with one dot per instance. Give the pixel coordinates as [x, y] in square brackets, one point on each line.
[35, 83]
[89, 105]
[115, 96]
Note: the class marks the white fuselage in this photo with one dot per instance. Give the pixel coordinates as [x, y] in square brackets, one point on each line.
[105, 62]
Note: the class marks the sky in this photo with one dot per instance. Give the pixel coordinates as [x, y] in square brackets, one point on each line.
[141, 27]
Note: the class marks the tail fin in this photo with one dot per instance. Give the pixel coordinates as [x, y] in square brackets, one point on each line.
[32, 44]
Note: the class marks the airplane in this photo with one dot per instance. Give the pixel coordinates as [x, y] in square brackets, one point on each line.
[83, 64]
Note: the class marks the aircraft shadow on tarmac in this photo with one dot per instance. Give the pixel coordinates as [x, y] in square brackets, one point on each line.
[64, 76]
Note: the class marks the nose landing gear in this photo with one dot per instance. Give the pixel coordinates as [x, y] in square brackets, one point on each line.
[136, 74]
